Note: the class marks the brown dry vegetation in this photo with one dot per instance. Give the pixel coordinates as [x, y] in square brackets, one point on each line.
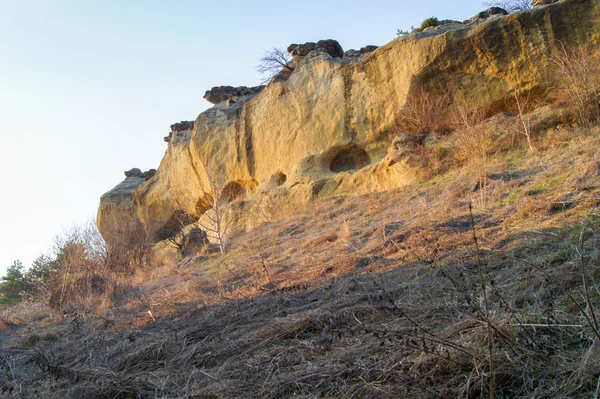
[367, 296]
[372, 296]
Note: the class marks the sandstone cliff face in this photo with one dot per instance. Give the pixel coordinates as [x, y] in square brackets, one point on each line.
[328, 129]
[117, 215]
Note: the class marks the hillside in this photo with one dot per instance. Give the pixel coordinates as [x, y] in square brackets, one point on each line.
[371, 252]
[367, 296]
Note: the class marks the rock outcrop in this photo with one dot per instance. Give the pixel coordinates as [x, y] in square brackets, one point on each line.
[330, 128]
[227, 93]
[368, 49]
[117, 216]
[492, 11]
[137, 173]
[329, 46]
[180, 132]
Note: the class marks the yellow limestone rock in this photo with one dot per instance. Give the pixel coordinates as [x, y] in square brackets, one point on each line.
[328, 128]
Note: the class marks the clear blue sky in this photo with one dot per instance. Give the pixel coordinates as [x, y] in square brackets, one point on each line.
[89, 88]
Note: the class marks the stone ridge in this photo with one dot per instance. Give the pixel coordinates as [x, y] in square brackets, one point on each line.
[330, 127]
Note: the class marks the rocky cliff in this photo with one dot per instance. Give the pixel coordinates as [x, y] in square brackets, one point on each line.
[328, 127]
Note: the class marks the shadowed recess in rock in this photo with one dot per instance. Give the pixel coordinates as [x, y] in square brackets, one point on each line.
[349, 158]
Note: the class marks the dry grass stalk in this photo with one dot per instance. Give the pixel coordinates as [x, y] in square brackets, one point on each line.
[584, 274]
[345, 232]
[485, 303]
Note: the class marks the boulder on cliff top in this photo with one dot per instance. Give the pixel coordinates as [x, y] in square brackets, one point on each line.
[134, 172]
[219, 94]
[180, 131]
[368, 49]
[301, 50]
[183, 125]
[330, 46]
[486, 14]
[137, 173]
[352, 53]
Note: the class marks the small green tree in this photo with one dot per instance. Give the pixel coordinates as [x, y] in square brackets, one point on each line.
[432, 21]
[14, 285]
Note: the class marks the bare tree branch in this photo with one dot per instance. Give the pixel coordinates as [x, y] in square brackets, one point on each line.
[273, 62]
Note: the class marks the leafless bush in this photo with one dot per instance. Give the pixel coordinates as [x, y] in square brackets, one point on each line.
[576, 77]
[523, 105]
[172, 233]
[213, 221]
[128, 243]
[79, 275]
[472, 141]
[273, 62]
[510, 5]
[424, 112]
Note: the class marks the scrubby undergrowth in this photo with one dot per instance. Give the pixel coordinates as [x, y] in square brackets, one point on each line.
[374, 296]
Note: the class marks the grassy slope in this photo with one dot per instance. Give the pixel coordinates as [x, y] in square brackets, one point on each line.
[368, 296]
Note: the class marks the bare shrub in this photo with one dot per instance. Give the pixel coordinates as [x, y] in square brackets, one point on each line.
[424, 112]
[510, 5]
[472, 142]
[128, 243]
[466, 115]
[172, 233]
[213, 221]
[524, 105]
[273, 62]
[211, 212]
[79, 275]
[576, 80]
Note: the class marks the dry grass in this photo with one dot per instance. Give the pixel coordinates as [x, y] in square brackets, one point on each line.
[373, 296]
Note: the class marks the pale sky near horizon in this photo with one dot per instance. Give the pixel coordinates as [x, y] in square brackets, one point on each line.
[88, 89]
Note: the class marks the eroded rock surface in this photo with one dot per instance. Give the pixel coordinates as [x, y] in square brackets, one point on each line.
[330, 127]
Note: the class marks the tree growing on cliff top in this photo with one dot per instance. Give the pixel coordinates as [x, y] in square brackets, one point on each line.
[510, 5]
[273, 62]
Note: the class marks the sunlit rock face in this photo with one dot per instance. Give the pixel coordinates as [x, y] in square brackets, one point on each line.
[329, 128]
